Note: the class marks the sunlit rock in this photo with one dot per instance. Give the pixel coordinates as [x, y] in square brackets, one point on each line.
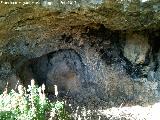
[136, 48]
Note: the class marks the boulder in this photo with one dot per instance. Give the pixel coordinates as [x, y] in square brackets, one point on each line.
[136, 48]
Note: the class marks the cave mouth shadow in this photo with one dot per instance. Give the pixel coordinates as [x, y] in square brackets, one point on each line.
[63, 68]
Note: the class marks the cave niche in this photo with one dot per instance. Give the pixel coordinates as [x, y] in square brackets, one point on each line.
[63, 68]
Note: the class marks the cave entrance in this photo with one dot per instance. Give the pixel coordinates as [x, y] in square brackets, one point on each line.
[63, 68]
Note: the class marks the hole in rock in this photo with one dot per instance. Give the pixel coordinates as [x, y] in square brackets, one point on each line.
[63, 68]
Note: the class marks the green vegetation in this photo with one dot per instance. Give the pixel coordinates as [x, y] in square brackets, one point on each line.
[30, 104]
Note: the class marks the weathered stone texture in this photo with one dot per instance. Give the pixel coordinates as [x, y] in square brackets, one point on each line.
[136, 48]
[30, 36]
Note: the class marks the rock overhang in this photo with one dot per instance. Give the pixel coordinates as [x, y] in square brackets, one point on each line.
[31, 31]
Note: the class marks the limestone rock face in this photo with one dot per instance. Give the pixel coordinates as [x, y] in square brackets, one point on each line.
[37, 41]
[136, 48]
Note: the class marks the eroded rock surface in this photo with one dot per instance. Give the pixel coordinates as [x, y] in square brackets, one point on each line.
[136, 48]
[104, 52]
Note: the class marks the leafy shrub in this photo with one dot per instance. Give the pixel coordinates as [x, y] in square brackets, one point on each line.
[30, 104]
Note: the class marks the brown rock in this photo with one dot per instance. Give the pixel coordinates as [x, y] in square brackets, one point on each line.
[136, 48]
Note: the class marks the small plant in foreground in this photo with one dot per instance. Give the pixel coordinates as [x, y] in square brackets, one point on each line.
[30, 104]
